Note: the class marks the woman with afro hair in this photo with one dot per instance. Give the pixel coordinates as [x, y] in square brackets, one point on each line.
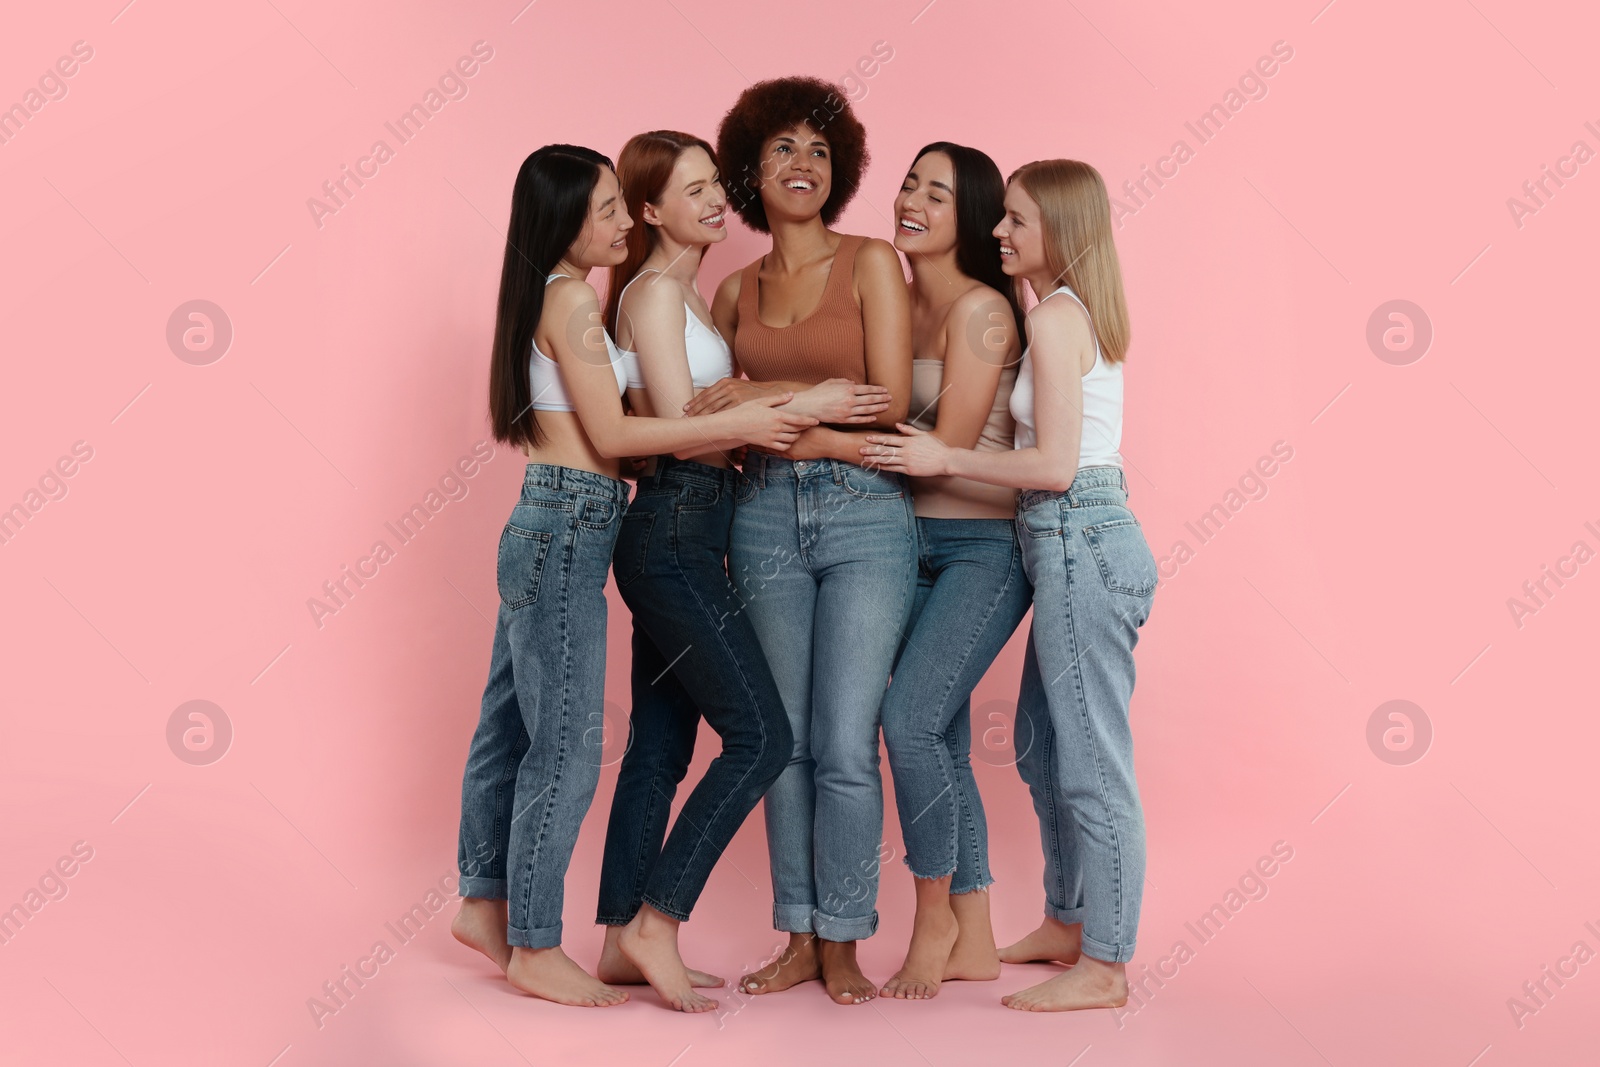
[823, 549]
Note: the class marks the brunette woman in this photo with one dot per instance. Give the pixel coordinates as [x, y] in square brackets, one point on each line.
[694, 653]
[823, 550]
[971, 592]
[555, 386]
[1092, 573]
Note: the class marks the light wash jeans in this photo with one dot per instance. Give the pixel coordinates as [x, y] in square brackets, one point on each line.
[824, 558]
[971, 596]
[535, 757]
[1093, 579]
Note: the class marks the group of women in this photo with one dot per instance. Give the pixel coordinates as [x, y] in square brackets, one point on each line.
[854, 491]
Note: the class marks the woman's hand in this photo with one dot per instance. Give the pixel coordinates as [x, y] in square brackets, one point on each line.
[805, 446]
[915, 453]
[840, 400]
[762, 424]
[719, 396]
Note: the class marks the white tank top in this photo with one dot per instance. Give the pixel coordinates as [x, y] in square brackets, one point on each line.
[710, 358]
[544, 374]
[1102, 403]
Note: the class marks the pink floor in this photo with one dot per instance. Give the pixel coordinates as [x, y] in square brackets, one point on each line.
[183, 901]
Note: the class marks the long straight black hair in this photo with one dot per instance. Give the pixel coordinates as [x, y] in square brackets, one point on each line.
[549, 204]
[980, 205]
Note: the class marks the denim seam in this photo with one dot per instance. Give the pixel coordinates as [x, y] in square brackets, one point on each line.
[951, 780]
[1049, 791]
[507, 775]
[641, 868]
[708, 616]
[1012, 566]
[1094, 752]
[560, 750]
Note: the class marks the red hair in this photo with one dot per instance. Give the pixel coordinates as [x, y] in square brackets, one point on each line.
[644, 168]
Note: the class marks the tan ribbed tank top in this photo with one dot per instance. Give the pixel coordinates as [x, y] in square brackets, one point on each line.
[828, 343]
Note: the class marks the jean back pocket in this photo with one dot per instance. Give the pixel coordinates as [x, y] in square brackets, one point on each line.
[633, 542]
[1124, 557]
[519, 565]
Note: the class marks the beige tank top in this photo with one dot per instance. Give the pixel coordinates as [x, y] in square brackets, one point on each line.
[961, 498]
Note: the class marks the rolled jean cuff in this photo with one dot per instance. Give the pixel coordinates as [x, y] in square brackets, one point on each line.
[613, 920]
[534, 937]
[792, 918]
[666, 909]
[1069, 916]
[833, 928]
[1107, 953]
[483, 888]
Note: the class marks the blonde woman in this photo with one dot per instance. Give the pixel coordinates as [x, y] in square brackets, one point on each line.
[1092, 572]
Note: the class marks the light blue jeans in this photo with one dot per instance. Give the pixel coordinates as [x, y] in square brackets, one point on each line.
[823, 556]
[1093, 580]
[971, 596]
[535, 757]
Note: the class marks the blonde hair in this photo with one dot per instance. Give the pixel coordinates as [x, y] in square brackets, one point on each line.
[1075, 215]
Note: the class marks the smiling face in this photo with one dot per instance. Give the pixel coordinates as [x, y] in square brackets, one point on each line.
[603, 241]
[796, 173]
[925, 210]
[1021, 235]
[693, 209]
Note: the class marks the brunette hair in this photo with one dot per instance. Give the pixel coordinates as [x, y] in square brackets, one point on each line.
[549, 205]
[769, 107]
[644, 167]
[980, 205]
[1075, 215]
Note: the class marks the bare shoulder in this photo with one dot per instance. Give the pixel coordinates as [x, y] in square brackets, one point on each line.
[728, 288]
[569, 294]
[654, 294]
[877, 256]
[980, 301]
[980, 320]
[1062, 319]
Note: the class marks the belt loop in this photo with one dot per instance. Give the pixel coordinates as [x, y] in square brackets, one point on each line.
[836, 468]
[761, 470]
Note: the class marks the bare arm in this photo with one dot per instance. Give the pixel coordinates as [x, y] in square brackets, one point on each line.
[886, 322]
[979, 343]
[581, 353]
[1062, 351]
[656, 310]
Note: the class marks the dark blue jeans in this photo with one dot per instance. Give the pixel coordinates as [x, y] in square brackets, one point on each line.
[694, 654]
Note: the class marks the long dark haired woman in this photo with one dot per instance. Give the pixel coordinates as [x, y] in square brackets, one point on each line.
[555, 385]
[971, 592]
[1092, 572]
[823, 549]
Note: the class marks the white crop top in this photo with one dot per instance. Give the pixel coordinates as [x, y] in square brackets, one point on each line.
[1102, 404]
[544, 374]
[710, 358]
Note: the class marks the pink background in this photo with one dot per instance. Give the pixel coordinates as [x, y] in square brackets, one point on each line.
[218, 499]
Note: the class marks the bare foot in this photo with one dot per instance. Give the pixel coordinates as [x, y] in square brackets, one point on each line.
[650, 942]
[842, 975]
[616, 969]
[795, 964]
[933, 934]
[1053, 942]
[481, 924]
[974, 957]
[548, 973]
[1090, 983]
